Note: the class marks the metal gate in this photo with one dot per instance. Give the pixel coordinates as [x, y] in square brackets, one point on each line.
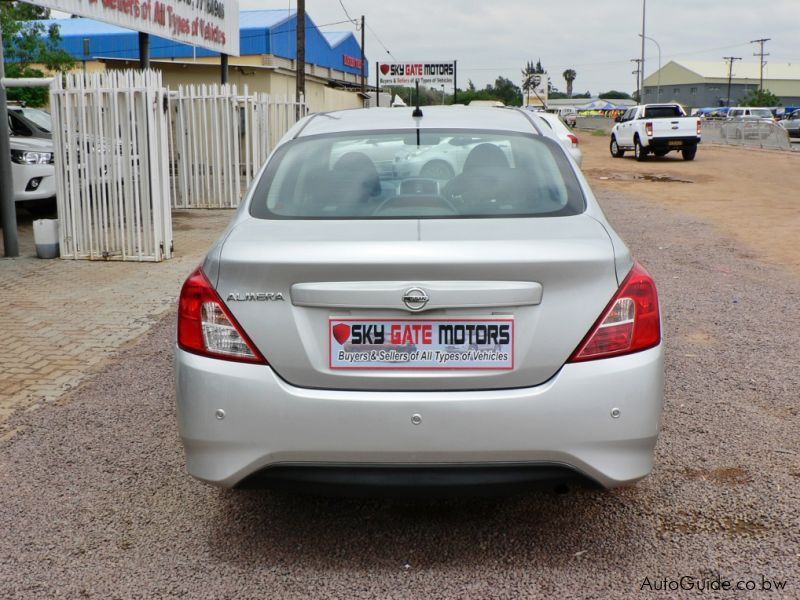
[110, 134]
[219, 139]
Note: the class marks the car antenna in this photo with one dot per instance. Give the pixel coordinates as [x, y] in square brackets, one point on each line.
[417, 111]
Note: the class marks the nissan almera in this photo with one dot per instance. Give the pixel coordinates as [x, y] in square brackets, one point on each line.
[359, 326]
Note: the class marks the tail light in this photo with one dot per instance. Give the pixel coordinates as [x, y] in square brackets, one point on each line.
[206, 326]
[630, 323]
[573, 138]
[648, 128]
[699, 127]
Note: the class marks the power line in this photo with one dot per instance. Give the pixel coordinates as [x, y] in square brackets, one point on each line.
[381, 43]
[352, 20]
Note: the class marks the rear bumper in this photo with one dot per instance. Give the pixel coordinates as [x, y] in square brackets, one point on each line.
[566, 422]
[673, 143]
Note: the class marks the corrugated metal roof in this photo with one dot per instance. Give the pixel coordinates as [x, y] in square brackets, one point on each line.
[261, 32]
[742, 69]
[336, 37]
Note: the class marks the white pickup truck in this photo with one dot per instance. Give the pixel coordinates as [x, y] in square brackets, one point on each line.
[656, 129]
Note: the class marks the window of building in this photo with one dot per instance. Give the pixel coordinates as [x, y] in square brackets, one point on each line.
[676, 90]
[693, 90]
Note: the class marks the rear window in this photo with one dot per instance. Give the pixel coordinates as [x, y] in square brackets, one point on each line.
[403, 175]
[762, 113]
[662, 112]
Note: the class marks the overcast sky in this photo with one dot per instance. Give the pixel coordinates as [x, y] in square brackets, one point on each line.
[596, 38]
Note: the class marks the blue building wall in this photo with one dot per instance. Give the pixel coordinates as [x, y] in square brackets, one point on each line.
[260, 32]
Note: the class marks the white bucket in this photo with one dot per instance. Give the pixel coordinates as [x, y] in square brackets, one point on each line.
[45, 236]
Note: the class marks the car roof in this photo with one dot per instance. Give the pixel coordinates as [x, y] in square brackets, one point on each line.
[434, 117]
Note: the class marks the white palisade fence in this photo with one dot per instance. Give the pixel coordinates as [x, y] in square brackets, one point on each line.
[219, 139]
[110, 134]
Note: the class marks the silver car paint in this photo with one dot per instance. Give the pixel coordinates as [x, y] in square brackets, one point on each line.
[566, 421]
[577, 261]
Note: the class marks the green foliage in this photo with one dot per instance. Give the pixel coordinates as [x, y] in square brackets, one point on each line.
[615, 95]
[569, 76]
[503, 90]
[586, 94]
[760, 98]
[27, 42]
[599, 133]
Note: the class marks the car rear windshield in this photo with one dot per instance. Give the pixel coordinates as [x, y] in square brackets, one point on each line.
[662, 112]
[416, 175]
[762, 113]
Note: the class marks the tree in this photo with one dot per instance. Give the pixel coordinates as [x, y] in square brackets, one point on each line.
[529, 74]
[28, 44]
[760, 98]
[615, 95]
[569, 76]
[504, 90]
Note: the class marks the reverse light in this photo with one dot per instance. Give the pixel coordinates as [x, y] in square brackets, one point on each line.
[648, 128]
[630, 323]
[207, 327]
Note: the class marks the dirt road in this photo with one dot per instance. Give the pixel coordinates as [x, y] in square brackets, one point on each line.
[752, 195]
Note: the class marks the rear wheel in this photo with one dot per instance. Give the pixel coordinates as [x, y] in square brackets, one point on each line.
[638, 152]
[616, 151]
[689, 153]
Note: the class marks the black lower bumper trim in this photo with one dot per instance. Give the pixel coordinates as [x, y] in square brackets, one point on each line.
[415, 481]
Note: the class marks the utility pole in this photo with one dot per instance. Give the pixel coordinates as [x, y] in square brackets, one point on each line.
[8, 210]
[638, 70]
[144, 50]
[730, 60]
[762, 41]
[640, 77]
[363, 61]
[300, 62]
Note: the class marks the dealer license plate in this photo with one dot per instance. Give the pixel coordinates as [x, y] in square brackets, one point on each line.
[464, 344]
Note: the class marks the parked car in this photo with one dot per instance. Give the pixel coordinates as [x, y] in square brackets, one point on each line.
[29, 122]
[568, 139]
[32, 169]
[744, 122]
[488, 329]
[657, 129]
[567, 113]
[792, 124]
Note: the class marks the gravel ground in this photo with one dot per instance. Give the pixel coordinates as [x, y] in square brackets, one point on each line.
[96, 502]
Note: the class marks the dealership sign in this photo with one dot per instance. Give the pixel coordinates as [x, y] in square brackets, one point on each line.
[538, 94]
[407, 74]
[212, 24]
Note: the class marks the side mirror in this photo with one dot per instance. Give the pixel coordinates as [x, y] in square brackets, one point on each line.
[618, 119]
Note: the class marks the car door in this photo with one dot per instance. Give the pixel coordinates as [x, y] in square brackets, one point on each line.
[625, 131]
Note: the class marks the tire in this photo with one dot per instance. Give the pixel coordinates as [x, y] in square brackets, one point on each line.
[437, 169]
[689, 153]
[639, 153]
[616, 151]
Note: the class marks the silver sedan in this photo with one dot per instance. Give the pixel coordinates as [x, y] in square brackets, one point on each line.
[355, 327]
